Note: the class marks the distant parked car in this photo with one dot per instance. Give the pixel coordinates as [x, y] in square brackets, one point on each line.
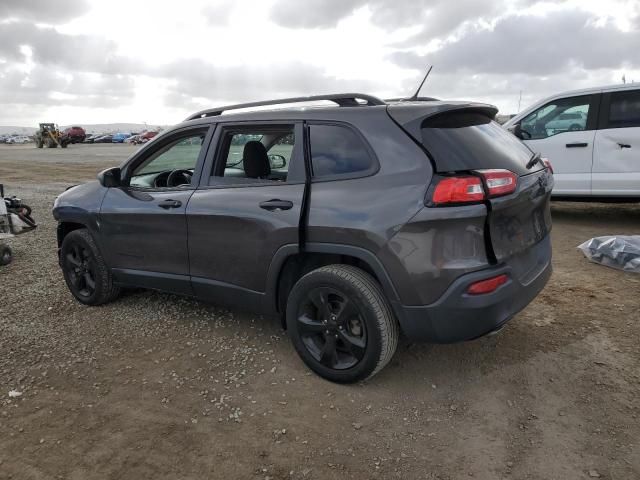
[568, 122]
[591, 137]
[148, 135]
[75, 134]
[90, 138]
[103, 139]
[18, 139]
[120, 137]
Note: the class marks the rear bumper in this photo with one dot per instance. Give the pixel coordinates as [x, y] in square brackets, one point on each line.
[458, 316]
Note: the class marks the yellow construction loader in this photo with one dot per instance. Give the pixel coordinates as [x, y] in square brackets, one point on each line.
[50, 135]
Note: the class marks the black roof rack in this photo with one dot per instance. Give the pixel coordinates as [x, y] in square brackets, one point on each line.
[342, 99]
[416, 99]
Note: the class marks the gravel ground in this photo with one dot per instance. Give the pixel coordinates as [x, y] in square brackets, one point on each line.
[158, 386]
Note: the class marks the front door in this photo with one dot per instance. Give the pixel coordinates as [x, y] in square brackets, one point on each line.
[144, 223]
[247, 206]
[563, 131]
[616, 156]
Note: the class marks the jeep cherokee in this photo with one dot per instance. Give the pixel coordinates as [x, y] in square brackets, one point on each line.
[352, 223]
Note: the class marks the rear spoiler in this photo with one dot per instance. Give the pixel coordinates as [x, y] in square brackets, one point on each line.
[411, 116]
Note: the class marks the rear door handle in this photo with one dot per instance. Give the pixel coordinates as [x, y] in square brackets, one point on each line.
[167, 204]
[576, 145]
[624, 145]
[276, 204]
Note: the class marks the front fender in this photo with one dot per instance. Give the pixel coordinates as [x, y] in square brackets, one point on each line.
[80, 205]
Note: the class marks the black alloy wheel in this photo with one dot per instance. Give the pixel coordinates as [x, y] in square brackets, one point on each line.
[340, 323]
[81, 268]
[332, 328]
[86, 273]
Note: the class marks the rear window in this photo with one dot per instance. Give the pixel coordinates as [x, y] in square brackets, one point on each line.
[338, 151]
[461, 141]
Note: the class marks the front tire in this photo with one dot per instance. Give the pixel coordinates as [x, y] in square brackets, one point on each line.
[87, 275]
[340, 323]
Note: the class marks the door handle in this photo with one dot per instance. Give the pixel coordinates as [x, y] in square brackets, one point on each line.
[624, 145]
[276, 204]
[167, 204]
[576, 145]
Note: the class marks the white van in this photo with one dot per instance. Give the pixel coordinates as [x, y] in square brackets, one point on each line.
[591, 137]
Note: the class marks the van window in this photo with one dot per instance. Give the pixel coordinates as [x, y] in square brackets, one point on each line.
[337, 150]
[624, 109]
[558, 116]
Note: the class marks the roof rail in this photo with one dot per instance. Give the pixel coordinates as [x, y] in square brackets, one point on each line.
[342, 99]
[416, 99]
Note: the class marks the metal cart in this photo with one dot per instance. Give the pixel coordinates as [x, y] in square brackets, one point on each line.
[15, 219]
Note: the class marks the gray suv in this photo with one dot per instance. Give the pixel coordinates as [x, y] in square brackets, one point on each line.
[352, 223]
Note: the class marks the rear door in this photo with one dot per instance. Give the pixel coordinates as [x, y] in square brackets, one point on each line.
[563, 131]
[616, 156]
[241, 214]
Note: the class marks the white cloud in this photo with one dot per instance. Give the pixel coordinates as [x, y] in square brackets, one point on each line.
[119, 61]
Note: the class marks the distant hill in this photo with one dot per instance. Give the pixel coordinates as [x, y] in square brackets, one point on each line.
[90, 128]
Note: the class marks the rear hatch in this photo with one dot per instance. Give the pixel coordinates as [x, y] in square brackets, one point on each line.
[463, 139]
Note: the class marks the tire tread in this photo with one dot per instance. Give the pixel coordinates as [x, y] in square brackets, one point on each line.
[370, 289]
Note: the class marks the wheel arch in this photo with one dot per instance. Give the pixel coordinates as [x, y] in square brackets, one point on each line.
[65, 228]
[290, 263]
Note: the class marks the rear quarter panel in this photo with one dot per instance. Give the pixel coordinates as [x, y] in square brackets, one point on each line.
[367, 212]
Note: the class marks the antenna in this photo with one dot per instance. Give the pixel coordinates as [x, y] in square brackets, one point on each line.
[415, 95]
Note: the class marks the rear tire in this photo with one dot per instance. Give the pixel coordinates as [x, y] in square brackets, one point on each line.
[6, 255]
[340, 323]
[39, 144]
[87, 275]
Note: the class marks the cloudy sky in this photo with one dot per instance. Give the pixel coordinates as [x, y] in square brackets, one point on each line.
[85, 61]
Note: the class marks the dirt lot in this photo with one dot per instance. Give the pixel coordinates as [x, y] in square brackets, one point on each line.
[156, 386]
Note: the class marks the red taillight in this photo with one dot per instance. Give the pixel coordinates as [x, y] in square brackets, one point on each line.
[458, 190]
[487, 286]
[547, 163]
[499, 182]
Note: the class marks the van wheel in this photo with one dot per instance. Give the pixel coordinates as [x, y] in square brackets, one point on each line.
[85, 272]
[340, 323]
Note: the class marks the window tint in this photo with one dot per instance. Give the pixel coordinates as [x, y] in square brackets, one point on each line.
[180, 154]
[258, 155]
[337, 150]
[624, 109]
[464, 140]
[563, 115]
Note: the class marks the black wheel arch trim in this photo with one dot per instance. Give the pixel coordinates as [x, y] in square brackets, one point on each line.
[368, 257]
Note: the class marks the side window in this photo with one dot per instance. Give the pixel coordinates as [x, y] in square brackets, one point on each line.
[337, 150]
[624, 109]
[255, 155]
[179, 156]
[563, 115]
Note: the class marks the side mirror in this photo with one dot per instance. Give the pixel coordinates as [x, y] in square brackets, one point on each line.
[277, 161]
[516, 130]
[110, 177]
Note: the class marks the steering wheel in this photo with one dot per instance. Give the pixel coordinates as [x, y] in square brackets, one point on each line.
[179, 177]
